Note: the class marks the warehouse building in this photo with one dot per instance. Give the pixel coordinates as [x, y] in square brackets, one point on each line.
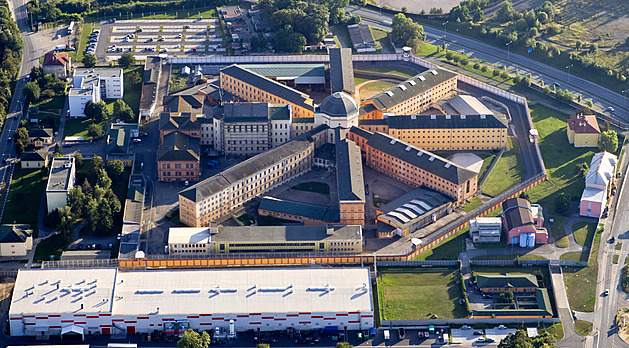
[108, 301]
[255, 239]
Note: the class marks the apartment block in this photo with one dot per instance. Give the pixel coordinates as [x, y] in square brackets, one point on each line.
[252, 87]
[444, 132]
[414, 166]
[411, 96]
[94, 85]
[179, 159]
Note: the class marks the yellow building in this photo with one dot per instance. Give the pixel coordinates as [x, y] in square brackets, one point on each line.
[583, 131]
[253, 87]
[444, 132]
[411, 96]
[256, 239]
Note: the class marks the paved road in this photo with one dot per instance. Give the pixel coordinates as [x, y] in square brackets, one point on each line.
[601, 96]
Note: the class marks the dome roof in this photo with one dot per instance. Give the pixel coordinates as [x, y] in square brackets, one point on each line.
[338, 105]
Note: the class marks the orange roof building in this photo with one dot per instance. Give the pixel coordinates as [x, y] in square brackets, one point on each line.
[57, 63]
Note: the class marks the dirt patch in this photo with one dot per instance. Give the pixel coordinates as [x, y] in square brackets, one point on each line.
[370, 88]
[6, 287]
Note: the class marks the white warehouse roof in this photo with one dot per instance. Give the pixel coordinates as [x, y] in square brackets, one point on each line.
[195, 291]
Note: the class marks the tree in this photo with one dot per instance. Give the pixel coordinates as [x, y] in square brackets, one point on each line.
[192, 339]
[504, 75]
[20, 137]
[405, 31]
[135, 78]
[464, 61]
[578, 44]
[344, 345]
[76, 200]
[287, 40]
[506, 297]
[582, 169]
[103, 179]
[553, 29]
[97, 111]
[123, 111]
[562, 203]
[95, 131]
[58, 152]
[263, 345]
[32, 91]
[505, 13]
[115, 168]
[605, 126]
[521, 340]
[89, 60]
[593, 48]
[126, 60]
[78, 160]
[97, 163]
[608, 141]
[258, 42]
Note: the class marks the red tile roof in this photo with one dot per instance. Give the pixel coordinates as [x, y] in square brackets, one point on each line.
[58, 58]
[581, 124]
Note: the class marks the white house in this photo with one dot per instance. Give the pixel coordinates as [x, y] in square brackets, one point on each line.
[15, 240]
[61, 180]
[598, 184]
[94, 85]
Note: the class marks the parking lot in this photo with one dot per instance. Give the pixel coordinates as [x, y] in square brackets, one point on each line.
[475, 337]
[174, 37]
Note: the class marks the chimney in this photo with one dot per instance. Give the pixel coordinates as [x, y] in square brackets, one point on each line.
[213, 227]
[329, 229]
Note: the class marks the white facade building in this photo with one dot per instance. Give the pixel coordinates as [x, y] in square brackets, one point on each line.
[94, 85]
[61, 179]
[106, 300]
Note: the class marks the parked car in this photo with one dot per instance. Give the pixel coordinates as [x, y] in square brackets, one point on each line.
[502, 327]
[466, 327]
[478, 333]
[136, 140]
[611, 109]
[606, 293]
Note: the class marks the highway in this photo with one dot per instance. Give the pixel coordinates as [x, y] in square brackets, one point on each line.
[601, 96]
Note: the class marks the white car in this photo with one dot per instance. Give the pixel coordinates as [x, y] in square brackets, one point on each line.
[611, 109]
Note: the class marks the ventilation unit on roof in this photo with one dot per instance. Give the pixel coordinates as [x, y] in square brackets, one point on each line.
[482, 117]
[421, 78]
[402, 87]
[448, 117]
[412, 82]
[434, 72]
[447, 165]
[419, 153]
[432, 158]
[413, 117]
[462, 117]
[408, 148]
[392, 141]
[389, 93]
[433, 117]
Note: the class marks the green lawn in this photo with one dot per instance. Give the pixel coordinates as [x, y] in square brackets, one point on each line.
[177, 82]
[54, 245]
[77, 127]
[560, 159]
[426, 49]
[618, 246]
[376, 86]
[81, 45]
[449, 249]
[55, 103]
[584, 232]
[571, 256]
[558, 231]
[581, 281]
[616, 257]
[317, 187]
[473, 204]
[419, 295]
[486, 162]
[133, 92]
[510, 257]
[188, 13]
[507, 172]
[402, 72]
[381, 37]
[555, 330]
[582, 327]
[25, 194]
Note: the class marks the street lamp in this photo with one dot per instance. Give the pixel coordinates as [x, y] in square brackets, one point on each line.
[445, 28]
[568, 67]
[508, 53]
[625, 94]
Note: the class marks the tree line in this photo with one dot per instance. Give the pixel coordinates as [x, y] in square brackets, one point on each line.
[11, 46]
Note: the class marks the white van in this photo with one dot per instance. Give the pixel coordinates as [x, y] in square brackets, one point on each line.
[387, 335]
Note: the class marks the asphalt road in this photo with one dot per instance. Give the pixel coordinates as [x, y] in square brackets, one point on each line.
[601, 96]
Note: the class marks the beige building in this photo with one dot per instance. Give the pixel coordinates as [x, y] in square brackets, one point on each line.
[248, 128]
[61, 179]
[411, 96]
[15, 240]
[203, 203]
[256, 239]
[253, 87]
[444, 132]
[33, 159]
[57, 63]
[40, 137]
[583, 131]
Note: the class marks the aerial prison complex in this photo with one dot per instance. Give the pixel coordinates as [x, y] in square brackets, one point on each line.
[286, 133]
[109, 301]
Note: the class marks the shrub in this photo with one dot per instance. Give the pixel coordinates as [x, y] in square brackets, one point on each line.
[625, 279]
[483, 68]
[464, 61]
[477, 65]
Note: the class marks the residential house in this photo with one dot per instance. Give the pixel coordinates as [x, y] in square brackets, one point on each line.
[583, 131]
[599, 183]
[33, 159]
[40, 137]
[57, 63]
[61, 179]
[119, 137]
[15, 240]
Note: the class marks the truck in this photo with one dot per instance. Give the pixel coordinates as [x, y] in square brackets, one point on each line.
[71, 28]
[60, 48]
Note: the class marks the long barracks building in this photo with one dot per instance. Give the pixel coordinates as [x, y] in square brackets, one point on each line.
[252, 87]
[444, 132]
[413, 166]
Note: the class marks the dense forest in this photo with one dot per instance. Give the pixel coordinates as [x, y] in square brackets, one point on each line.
[11, 46]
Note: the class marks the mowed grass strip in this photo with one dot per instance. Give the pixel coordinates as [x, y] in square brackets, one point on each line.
[25, 194]
[507, 172]
[420, 295]
[583, 232]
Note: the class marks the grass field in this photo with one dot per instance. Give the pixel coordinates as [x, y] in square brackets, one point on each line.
[317, 187]
[510, 257]
[25, 194]
[581, 281]
[420, 295]
[133, 92]
[376, 86]
[449, 249]
[473, 204]
[560, 159]
[381, 37]
[555, 330]
[486, 162]
[583, 232]
[402, 72]
[86, 30]
[582, 327]
[571, 256]
[54, 245]
[507, 172]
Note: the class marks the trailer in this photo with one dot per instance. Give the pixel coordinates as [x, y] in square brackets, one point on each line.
[71, 28]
